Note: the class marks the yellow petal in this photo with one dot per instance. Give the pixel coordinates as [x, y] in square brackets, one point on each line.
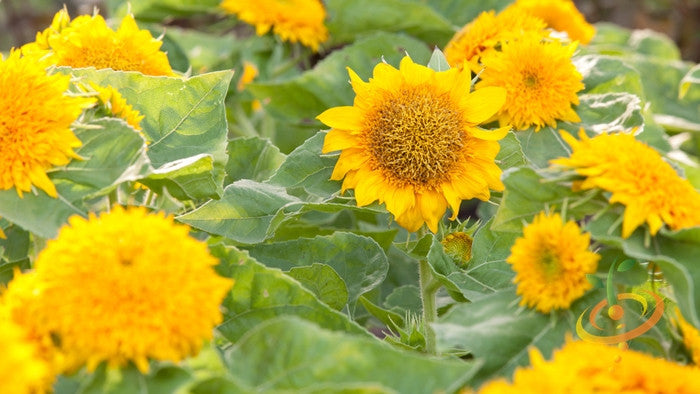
[344, 118]
[411, 220]
[337, 139]
[432, 207]
[489, 135]
[452, 199]
[483, 103]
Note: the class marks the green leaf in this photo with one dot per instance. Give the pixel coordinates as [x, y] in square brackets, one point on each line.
[324, 282]
[360, 261]
[183, 117]
[675, 252]
[527, 194]
[112, 153]
[405, 299]
[304, 97]
[626, 265]
[14, 251]
[438, 62]
[261, 293]
[511, 153]
[252, 158]
[160, 10]
[243, 213]
[191, 178]
[206, 52]
[651, 43]
[306, 172]
[288, 353]
[461, 12]
[608, 74]
[350, 19]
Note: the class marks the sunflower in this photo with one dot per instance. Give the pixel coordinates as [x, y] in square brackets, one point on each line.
[551, 261]
[22, 369]
[540, 78]
[116, 104]
[458, 245]
[411, 140]
[560, 15]
[292, 20]
[126, 286]
[35, 119]
[485, 33]
[87, 41]
[638, 178]
[588, 367]
[40, 47]
[691, 337]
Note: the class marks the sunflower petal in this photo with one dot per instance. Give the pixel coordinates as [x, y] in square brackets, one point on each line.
[483, 103]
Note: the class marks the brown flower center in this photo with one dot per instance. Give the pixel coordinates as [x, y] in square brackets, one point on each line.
[415, 136]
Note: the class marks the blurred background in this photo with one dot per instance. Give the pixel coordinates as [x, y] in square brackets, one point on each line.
[679, 19]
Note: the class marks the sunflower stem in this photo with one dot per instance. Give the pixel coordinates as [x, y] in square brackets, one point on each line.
[428, 289]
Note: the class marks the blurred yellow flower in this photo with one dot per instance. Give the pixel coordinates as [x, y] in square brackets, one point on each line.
[35, 119]
[22, 369]
[127, 286]
[411, 140]
[485, 33]
[560, 15]
[637, 176]
[588, 368]
[116, 104]
[248, 75]
[691, 337]
[551, 261]
[540, 78]
[293, 20]
[87, 41]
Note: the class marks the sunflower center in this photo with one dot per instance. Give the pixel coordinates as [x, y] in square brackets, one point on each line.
[530, 80]
[549, 262]
[415, 136]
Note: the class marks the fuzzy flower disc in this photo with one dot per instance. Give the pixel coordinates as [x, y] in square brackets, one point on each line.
[411, 140]
[35, 119]
[551, 261]
[127, 286]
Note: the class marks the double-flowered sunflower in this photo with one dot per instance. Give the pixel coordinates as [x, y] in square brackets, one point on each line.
[36, 113]
[412, 140]
[124, 286]
[560, 15]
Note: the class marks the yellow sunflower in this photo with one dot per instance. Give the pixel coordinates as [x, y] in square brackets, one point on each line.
[551, 261]
[22, 369]
[587, 368]
[35, 119]
[691, 337]
[87, 41]
[126, 286]
[485, 33]
[637, 176]
[293, 20]
[411, 140]
[116, 104]
[40, 47]
[540, 78]
[560, 15]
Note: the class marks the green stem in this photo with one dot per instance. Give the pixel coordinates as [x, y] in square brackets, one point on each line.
[428, 288]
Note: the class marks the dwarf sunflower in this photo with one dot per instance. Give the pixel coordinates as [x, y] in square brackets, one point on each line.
[116, 104]
[87, 41]
[637, 176]
[588, 367]
[485, 33]
[411, 140]
[22, 369]
[292, 20]
[540, 78]
[35, 119]
[560, 15]
[127, 286]
[551, 261]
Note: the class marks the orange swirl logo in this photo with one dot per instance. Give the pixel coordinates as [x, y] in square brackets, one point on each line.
[616, 312]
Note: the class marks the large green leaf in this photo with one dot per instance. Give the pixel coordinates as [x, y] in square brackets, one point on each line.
[112, 153]
[288, 353]
[349, 19]
[183, 117]
[261, 293]
[243, 213]
[461, 12]
[191, 178]
[206, 52]
[304, 97]
[360, 261]
[14, 250]
[252, 158]
[324, 282]
[608, 74]
[527, 193]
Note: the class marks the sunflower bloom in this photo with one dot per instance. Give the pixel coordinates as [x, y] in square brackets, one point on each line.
[116, 104]
[40, 46]
[292, 20]
[551, 261]
[540, 78]
[560, 15]
[691, 337]
[638, 178]
[35, 120]
[22, 370]
[411, 140]
[126, 286]
[485, 33]
[587, 368]
[87, 41]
